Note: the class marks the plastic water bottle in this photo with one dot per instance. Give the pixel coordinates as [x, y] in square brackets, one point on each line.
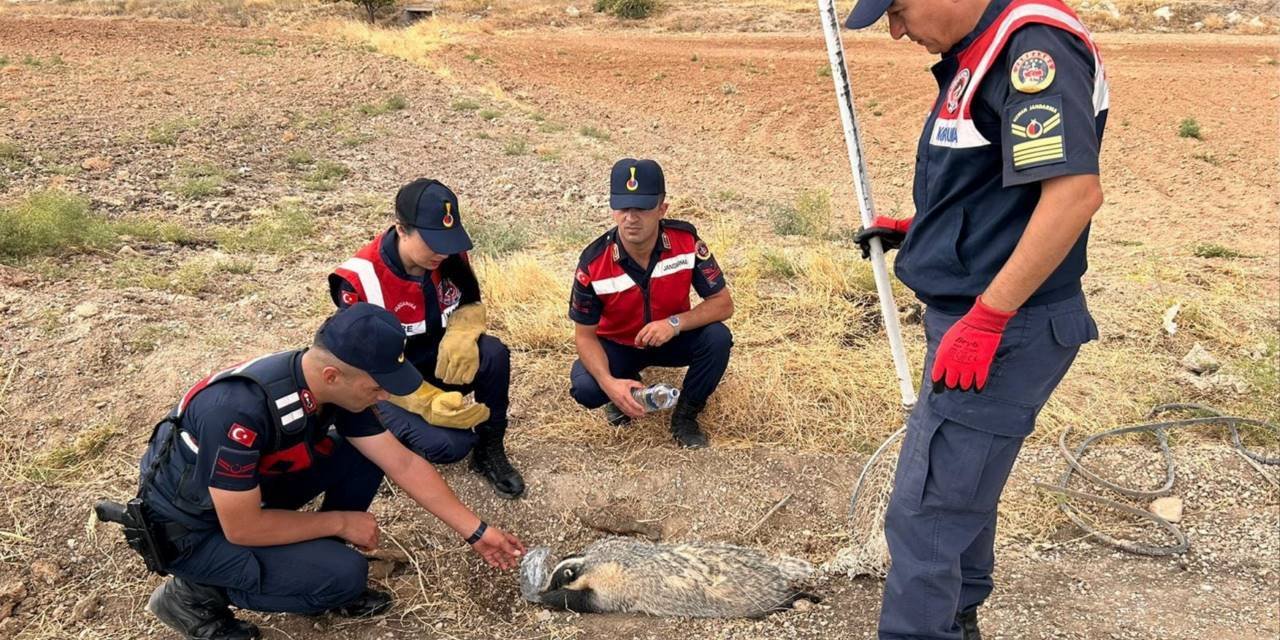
[659, 397]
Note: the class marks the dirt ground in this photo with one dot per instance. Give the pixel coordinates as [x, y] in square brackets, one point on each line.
[525, 123]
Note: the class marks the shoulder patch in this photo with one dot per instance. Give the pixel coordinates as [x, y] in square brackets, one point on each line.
[1036, 133]
[703, 251]
[242, 434]
[1032, 72]
[235, 464]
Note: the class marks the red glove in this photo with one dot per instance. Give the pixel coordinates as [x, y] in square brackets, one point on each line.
[891, 232]
[964, 356]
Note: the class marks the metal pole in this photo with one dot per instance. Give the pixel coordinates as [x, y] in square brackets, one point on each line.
[861, 185]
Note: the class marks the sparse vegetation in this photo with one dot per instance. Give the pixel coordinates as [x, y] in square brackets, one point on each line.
[516, 147]
[824, 71]
[489, 114]
[167, 132]
[810, 216]
[393, 103]
[326, 175]
[464, 104]
[63, 461]
[1189, 128]
[199, 181]
[627, 9]
[1211, 250]
[551, 127]
[280, 229]
[299, 158]
[494, 238]
[592, 132]
[371, 7]
[50, 222]
[11, 156]
[775, 264]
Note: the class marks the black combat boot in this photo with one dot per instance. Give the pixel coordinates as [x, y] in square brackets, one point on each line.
[198, 612]
[370, 603]
[968, 622]
[684, 425]
[489, 458]
[615, 417]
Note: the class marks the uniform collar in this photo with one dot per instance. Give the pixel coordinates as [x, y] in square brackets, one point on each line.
[309, 404]
[663, 244]
[390, 251]
[989, 15]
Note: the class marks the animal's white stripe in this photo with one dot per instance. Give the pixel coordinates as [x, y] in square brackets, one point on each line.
[368, 279]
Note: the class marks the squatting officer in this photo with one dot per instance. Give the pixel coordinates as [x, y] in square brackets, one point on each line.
[630, 306]
[245, 448]
[1006, 183]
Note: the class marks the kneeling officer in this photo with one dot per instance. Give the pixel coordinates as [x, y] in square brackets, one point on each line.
[225, 473]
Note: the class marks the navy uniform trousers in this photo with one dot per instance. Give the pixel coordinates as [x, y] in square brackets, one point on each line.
[957, 454]
[306, 577]
[443, 445]
[704, 350]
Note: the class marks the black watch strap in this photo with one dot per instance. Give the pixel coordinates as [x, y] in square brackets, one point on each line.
[479, 533]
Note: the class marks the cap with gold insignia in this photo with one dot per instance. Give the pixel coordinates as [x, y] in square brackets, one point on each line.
[432, 208]
[371, 339]
[636, 184]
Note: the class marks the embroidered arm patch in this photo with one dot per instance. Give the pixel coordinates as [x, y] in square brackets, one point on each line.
[1036, 133]
[234, 469]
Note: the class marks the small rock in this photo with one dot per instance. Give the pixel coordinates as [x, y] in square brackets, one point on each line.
[96, 163]
[288, 136]
[572, 11]
[1199, 361]
[1196, 26]
[86, 310]
[381, 569]
[1171, 327]
[543, 616]
[47, 572]
[88, 607]
[802, 605]
[1234, 17]
[1168, 507]
[127, 252]
[1257, 23]
[1164, 13]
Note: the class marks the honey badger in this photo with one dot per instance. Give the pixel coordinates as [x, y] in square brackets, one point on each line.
[691, 580]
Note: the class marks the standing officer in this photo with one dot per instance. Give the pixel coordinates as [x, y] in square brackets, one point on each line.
[225, 473]
[1006, 184]
[419, 270]
[630, 303]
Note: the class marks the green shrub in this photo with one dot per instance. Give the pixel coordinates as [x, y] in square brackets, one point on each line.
[495, 239]
[167, 132]
[1210, 250]
[326, 175]
[280, 229]
[50, 222]
[592, 132]
[516, 147]
[1189, 128]
[298, 158]
[465, 105]
[627, 9]
[775, 264]
[489, 114]
[394, 103]
[810, 216]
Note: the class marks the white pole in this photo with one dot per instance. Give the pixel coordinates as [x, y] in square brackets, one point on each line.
[861, 185]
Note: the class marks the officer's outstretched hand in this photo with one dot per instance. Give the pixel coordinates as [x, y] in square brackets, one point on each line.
[964, 355]
[451, 410]
[891, 231]
[359, 528]
[499, 549]
[619, 392]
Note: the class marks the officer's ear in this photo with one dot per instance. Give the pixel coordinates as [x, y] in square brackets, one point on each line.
[662, 207]
[330, 374]
[403, 230]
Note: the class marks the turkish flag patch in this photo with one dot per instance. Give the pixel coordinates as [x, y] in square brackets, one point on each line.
[242, 434]
[349, 298]
[583, 278]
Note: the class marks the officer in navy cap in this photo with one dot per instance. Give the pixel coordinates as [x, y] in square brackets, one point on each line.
[420, 271]
[226, 472]
[630, 306]
[1006, 184]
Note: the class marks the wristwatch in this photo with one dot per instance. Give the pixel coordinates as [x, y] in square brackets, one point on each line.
[674, 322]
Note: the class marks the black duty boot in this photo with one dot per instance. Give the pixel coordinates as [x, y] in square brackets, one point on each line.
[684, 425]
[968, 622]
[198, 612]
[489, 458]
[370, 603]
[615, 417]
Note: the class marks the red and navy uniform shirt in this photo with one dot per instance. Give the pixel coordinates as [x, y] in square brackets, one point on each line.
[231, 433]
[422, 304]
[612, 291]
[1022, 98]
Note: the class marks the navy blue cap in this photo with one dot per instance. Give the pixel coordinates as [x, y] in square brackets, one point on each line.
[866, 12]
[636, 184]
[432, 208]
[371, 339]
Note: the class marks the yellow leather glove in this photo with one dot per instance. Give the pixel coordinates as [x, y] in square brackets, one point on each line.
[442, 408]
[459, 355]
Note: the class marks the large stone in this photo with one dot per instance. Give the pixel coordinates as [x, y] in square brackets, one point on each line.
[1164, 13]
[572, 11]
[1168, 507]
[86, 310]
[1199, 361]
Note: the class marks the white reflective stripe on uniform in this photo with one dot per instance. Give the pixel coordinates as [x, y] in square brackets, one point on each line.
[415, 328]
[682, 262]
[615, 284]
[189, 441]
[287, 400]
[291, 417]
[244, 366]
[368, 279]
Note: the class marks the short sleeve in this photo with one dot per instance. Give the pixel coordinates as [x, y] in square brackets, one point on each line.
[1045, 98]
[708, 279]
[585, 306]
[230, 440]
[342, 292]
[357, 425]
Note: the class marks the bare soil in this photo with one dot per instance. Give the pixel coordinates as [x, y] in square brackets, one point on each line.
[740, 121]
